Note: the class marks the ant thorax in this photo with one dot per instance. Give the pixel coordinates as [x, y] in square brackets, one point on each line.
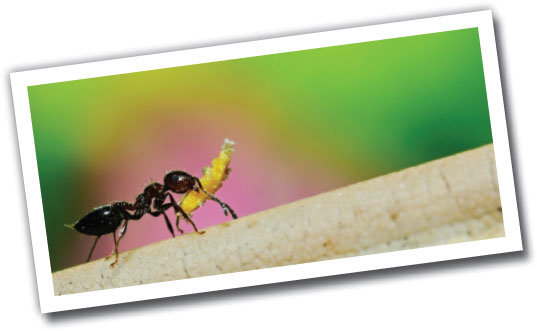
[154, 190]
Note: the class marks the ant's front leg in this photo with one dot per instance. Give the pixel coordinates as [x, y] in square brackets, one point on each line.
[180, 210]
[222, 204]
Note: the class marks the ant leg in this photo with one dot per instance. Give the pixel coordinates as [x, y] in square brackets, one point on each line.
[222, 204]
[92, 248]
[168, 205]
[127, 217]
[180, 210]
[168, 223]
[122, 231]
[121, 234]
[116, 243]
[162, 210]
[187, 218]
[176, 225]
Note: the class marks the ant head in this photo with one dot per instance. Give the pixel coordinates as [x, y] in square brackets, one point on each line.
[179, 182]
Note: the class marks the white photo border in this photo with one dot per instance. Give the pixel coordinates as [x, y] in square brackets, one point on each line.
[20, 82]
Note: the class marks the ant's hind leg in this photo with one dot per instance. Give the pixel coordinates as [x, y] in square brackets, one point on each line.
[122, 231]
[92, 248]
[116, 243]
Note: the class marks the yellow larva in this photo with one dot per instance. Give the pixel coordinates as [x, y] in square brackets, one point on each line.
[212, 178]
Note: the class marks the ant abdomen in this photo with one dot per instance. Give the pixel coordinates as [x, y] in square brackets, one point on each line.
[101, 220]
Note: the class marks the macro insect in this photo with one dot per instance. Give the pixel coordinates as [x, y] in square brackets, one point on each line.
[107, 219]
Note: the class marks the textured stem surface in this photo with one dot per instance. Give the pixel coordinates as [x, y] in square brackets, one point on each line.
[449, 200]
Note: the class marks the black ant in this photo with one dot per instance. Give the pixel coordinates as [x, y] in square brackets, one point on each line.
[107, 219]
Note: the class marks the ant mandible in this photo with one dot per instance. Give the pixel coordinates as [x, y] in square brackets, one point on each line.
[107, 219]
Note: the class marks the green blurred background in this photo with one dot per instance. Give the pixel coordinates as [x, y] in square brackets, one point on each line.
[304, 122]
